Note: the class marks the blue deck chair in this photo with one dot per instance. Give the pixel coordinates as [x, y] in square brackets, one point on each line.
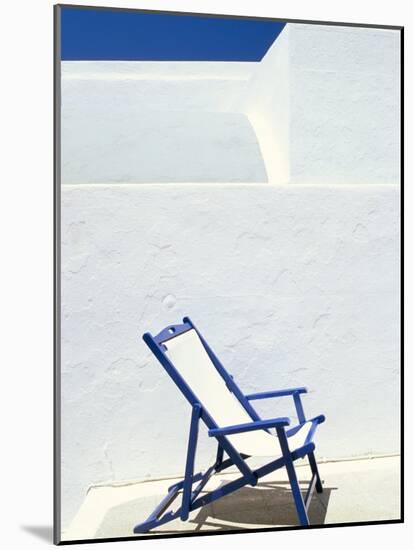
[231, 419]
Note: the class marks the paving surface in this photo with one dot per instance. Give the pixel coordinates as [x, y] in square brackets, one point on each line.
[354, 490]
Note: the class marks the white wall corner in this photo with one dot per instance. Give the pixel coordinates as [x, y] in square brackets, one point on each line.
[267, 106]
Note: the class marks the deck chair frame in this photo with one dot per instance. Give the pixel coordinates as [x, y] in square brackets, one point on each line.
[191, 499]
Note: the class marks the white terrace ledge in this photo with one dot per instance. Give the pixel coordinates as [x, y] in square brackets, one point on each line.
[354, 491]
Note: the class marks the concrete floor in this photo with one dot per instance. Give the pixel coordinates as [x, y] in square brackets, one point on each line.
[354, 490]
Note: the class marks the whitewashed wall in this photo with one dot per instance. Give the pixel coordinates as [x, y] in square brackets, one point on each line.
[325, 105]
[344, 105]
[130, 122]
[291, 284]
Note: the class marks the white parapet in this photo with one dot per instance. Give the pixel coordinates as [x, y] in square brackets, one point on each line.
[157, 122]
[321, 107]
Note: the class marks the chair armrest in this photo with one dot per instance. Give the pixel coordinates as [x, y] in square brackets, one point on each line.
[250, 426]
[276, 393]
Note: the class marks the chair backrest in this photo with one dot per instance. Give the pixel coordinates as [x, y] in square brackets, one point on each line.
[189, 357]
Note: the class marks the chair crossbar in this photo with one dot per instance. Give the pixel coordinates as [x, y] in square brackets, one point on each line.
[315, 421]
[163, 505]
[228, 462]
[180, 484]
[275, 393]
[202, 483]
[171, 332]
[251, 426]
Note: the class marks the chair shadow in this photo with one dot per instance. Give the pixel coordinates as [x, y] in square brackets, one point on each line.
[43, 532]
[268, 505]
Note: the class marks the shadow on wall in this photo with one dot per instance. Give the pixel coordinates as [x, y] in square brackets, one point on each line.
[259, 507]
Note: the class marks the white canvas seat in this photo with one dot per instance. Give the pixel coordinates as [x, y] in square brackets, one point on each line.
[191, 360]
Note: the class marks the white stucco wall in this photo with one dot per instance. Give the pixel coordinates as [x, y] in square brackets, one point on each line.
[267, 104]
[344, 105]
[291, 284]
[147, 122]
[300, 287]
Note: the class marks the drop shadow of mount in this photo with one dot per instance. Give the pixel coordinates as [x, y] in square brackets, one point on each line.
[42, 532]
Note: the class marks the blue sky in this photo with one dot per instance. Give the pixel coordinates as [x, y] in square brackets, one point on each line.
[90, 34]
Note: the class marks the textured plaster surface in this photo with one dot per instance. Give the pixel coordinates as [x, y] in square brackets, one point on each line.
[131, 122]
[291, 285]
[344, 91]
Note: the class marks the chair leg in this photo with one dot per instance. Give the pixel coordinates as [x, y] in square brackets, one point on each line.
[189, 467]
[315, 471]
[219, 458]
[294, 484]
[297, 495]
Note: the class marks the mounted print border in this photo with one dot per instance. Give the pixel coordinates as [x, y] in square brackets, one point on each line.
[253, 182]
